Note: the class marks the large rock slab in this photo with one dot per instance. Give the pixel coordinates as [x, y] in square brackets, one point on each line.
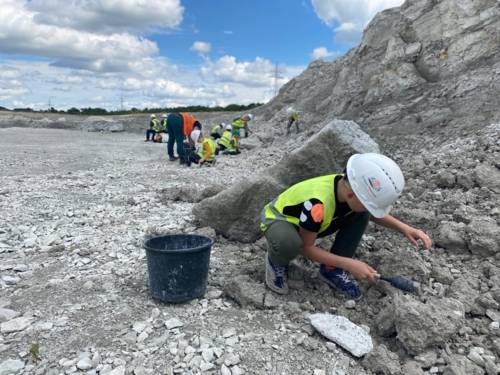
[484, 236]
[16, 325]
[248, 293]
[460, 365]
[235, 212]
[342, 331]
[11, 366]
[7, 314]
[382, 361]
[421, 325]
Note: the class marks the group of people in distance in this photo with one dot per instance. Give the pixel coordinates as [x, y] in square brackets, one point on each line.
[193, 145]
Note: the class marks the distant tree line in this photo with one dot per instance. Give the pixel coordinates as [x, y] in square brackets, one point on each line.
[101, 111]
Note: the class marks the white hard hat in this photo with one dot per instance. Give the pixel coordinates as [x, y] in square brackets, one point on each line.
[376, 180]
[250, 116]
[289, 110]
[223, 124]
[229, 127]
[164, 115]
[153, 115]
[195, 134]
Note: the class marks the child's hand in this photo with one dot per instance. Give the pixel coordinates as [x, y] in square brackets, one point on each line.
[414, 234]
[362, 271]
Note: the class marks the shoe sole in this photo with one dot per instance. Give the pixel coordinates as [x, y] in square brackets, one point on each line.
[332, 285]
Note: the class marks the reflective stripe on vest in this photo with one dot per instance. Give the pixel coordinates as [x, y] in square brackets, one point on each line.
[320, 188]
[188, 122]
[155, 125]
[225, 140]
[238, 123]
[211, 144]
[163, 124]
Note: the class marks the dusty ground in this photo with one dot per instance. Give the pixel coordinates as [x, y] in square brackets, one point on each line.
[76, 207]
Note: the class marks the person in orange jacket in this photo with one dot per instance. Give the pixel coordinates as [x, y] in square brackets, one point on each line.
[180, 126]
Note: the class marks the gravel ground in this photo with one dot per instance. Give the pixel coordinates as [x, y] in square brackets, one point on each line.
[76, 207]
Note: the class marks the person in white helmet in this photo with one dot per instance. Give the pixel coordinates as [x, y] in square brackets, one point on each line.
[154, 127]
[341, 204]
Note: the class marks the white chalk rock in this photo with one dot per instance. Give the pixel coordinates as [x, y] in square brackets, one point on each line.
[342, 331]
[173, 323]
[11, 366]
[120, 370]
[15, 325]
[7, 314]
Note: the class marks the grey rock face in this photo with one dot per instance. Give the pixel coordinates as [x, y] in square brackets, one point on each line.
[451, 236]
[249, 293]
[420, 325]
[465, 291]
[382, 361]
[325, 153]
[488, 176]
[484, 236]
[460, 365]
[420, 66]
[412, 368]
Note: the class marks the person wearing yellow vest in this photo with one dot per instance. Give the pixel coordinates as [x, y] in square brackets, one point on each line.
[241, 123]
[227, 142]
[161, 129]
[293, 118]
[154, 127]
[164, 123]
[341, 204]
[205, 150]
[217, 130]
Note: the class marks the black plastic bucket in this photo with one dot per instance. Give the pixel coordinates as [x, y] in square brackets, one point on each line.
[178, 266]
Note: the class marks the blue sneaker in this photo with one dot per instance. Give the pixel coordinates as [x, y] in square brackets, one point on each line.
[276, 277]
[339, 279]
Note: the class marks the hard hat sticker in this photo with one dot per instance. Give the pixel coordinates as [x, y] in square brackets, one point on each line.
[375, 183]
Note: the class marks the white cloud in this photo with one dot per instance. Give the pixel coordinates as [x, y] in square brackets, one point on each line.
[36, 83]
[8, 72]
[96, 49]
[68, 79]
[9, 93]
[258, 73]
[202, 48]
[20, 33]
[350, 17]
[108, 15]
[321, 53]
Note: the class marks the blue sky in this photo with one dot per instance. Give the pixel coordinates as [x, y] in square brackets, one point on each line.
[282, 31]
[102, 53]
